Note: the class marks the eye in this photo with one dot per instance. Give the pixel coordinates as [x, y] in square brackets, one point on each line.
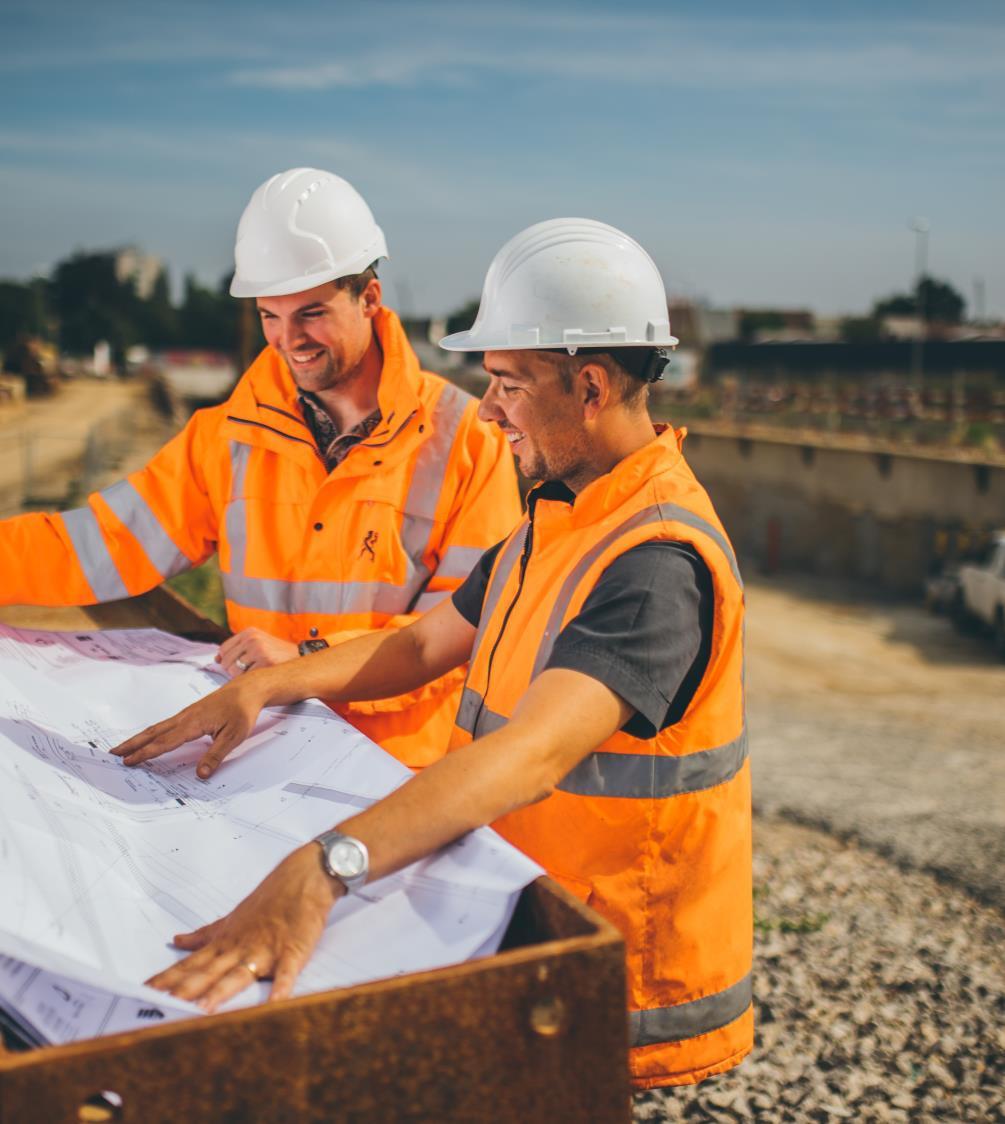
[509, 389]
[313, 314]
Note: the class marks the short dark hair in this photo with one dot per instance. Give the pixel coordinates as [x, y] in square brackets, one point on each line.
[355, 283]
[627, 366]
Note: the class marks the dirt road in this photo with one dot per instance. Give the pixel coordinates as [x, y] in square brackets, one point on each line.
[43, 447]
[879, 722]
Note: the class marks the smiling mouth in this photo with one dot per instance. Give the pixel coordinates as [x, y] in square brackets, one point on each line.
[306, 356]
[513, 436]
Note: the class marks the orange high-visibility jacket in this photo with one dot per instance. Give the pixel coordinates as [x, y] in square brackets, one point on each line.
[655, 834]
[303, 552]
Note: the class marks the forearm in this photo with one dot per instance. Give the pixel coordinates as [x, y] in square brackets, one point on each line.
[483, 781]
[374, 666]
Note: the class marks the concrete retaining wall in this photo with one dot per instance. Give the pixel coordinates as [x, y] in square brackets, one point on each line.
[884, 517]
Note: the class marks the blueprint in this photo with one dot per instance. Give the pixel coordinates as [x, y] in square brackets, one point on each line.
[100, 864]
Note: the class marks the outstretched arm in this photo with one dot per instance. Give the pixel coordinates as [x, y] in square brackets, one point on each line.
[563, 717]
[371, 667]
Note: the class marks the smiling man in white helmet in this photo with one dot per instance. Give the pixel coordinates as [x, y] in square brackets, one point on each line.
[601, 728]
[344, 489]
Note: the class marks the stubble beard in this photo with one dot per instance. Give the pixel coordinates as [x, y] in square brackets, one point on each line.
[323, 375]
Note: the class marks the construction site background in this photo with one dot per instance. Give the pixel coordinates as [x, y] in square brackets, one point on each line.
[876, 739]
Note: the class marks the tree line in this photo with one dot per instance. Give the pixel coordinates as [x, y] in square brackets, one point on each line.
[85, 301]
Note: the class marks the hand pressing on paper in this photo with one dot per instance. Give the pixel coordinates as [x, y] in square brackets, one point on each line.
[227, 716]
[271, 934]
[251, 647]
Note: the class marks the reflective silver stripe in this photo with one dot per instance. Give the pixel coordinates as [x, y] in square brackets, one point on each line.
[687, 1020]
[275, 595]
[509, 557]
[236, 518]
[657, 513]
[428, 601]
[427, 481]
[137, 515]
[431, 461]
[488, 722]
[458, 561]
[467, 712]
[93, 555]
[476, 719]
[650, 776]
[330, 597]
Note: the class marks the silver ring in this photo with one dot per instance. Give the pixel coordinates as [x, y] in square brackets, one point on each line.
[240, 665]
[251, 966]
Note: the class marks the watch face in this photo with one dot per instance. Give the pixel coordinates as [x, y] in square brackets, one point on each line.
[346, 859]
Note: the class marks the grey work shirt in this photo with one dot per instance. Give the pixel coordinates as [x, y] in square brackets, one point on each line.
[644, 631]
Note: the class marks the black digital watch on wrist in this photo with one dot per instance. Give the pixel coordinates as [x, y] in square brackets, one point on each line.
[305, 647]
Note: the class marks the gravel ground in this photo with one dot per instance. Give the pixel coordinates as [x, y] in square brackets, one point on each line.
[879, 996]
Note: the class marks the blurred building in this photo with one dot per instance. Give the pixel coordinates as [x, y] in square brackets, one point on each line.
[142, 270]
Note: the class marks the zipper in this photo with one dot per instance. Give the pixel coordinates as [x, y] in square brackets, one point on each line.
[380, 444]
[271, 429]
[524, 559]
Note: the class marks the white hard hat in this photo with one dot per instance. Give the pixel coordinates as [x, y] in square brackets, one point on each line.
[302, 228]
[569, 283]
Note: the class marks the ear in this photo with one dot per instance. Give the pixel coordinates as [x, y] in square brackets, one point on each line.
[594, 384]
[370, 298]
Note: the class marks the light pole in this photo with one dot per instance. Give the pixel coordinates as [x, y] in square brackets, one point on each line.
[921, 228]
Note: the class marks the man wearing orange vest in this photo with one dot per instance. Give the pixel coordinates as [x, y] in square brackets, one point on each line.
[601, 728]
[344, 489]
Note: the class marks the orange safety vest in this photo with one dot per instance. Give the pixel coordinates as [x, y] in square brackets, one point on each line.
[655, 834]
[303, 552]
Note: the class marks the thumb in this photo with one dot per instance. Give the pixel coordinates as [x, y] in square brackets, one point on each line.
[222, 744]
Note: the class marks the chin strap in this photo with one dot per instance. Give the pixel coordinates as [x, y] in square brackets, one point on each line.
[656, 365]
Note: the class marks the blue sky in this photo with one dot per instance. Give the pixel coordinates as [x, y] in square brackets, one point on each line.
[765, 154]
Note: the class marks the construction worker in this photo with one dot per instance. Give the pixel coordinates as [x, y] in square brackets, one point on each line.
[343, 488]
[601, 728]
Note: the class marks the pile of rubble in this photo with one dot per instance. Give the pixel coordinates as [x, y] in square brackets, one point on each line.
[879, 996]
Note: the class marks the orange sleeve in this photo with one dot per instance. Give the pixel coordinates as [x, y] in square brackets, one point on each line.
[125, 540]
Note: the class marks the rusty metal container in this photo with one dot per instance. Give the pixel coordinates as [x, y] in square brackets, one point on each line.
[536, 1033]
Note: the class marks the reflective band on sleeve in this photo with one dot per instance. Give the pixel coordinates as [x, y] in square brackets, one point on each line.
[93, 555]
[428, 601]
[459, 561]
[656, 1025]
[275, 595]
[236, 517]
[642, 776]
[136, 514]
[657, 513]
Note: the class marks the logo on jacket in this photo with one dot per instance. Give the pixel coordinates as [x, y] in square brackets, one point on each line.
[368, 544]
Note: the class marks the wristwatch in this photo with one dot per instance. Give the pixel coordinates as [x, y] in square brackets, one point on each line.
[344, 858]
[305, 647]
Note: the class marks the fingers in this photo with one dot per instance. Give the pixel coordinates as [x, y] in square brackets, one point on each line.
[159, 738]
[211, 976]
[251, 647]
[229, 984]
[194, 940]
[290, 965]
[223, 743]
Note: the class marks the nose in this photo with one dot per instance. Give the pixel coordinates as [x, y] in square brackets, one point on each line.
[291, 334]
[488, 408]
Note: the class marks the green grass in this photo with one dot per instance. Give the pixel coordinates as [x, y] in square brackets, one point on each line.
[203, 588]
[801, 923]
